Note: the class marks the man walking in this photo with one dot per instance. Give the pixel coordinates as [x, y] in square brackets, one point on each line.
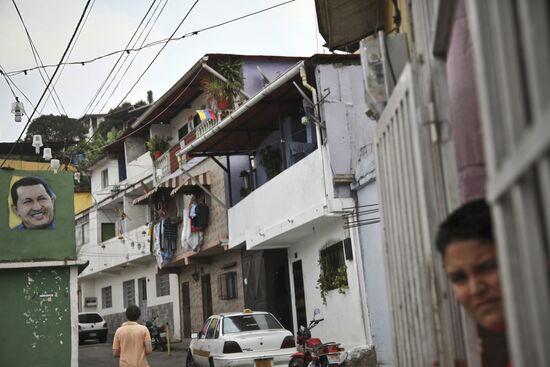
[132, 341]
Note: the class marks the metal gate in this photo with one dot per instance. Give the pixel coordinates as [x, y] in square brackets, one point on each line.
[512, 48]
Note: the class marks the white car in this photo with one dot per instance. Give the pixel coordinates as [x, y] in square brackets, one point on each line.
[91, 326]
[253, 339]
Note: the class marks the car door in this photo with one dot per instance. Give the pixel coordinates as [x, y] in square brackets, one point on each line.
[200, 356]
[211, 342]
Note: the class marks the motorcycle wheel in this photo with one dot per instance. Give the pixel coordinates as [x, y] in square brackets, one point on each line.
[297, 362]
[189, 362]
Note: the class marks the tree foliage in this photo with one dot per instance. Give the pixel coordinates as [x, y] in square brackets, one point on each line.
[54, 128]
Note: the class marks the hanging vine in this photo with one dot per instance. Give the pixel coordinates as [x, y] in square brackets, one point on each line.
[329, 280]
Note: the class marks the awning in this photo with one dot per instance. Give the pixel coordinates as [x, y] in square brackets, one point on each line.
[145, 196]
[187, 183]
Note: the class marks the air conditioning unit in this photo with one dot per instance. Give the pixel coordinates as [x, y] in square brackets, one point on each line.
[90, 301]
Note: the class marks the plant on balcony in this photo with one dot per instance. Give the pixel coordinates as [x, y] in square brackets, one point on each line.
[271, 160]
[222, 95]
[157, 145]
[246, 189]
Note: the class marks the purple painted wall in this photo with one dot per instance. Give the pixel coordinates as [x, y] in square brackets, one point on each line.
[465, 119]
[272, 68]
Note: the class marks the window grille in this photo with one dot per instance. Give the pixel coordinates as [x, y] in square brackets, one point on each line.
[163, 285]
[106, 297]
[129, 293]
[227, 285]
[332, 260]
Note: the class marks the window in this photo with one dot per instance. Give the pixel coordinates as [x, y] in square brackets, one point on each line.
[211, 332]
[184, 130]
[106, 297]
[107, 231]
[163, 285]
[105, 178]
[128, 293]
[264, 321]
[227, 285]
[82, 230]
[333, 264]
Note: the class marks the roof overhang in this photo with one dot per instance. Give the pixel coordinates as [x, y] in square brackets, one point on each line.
[247, 126]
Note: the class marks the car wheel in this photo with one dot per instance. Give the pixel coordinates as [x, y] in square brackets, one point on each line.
[189, 362]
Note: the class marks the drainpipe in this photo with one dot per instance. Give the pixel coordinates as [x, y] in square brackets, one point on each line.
[313, 91]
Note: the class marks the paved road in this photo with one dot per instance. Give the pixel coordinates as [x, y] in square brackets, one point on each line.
[94, 354]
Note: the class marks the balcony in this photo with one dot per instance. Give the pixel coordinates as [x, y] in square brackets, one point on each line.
[285, 207]
[116, 253]
[162, 167]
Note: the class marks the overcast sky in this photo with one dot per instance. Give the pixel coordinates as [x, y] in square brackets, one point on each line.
[287, 30]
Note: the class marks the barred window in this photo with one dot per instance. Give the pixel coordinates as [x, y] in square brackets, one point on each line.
[333, 264]
[106, 297]
[227, 285]
[163, 285]
[129, 293]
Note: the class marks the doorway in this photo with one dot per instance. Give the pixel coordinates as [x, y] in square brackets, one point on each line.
[186, 309]
[206, 288]
[297, 274]
[142, 293]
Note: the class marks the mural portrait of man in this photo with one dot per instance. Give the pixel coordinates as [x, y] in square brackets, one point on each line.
[33, 203]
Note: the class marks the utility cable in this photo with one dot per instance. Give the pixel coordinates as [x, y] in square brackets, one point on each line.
[155, 43]
[134, 57]
[10, 83]
[71, 50]
[38, 61]
[158, 53]
[88, 106]
[49, 83]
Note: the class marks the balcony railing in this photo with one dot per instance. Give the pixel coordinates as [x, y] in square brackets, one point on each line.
[162, 167]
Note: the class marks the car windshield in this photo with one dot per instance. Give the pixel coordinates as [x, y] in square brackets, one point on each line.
[89, 318]
[235, 324]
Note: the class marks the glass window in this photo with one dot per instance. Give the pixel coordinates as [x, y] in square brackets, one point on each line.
[227, 285]
[204, 328]
[333, 263]
[89, 318]
[235, 324]
[107, 231]
[104, 178]
[212, 329]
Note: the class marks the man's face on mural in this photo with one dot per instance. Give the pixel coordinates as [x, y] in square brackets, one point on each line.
[34, 206]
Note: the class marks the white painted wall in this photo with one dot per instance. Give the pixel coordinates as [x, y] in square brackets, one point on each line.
[98, 192]
[292, 198]
[343, 312]
[372, 253]
[92, 288]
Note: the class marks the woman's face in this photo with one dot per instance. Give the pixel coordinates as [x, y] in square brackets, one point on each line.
[473, 270]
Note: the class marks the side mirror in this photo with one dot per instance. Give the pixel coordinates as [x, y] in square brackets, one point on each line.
[316, 312]
[194, 335]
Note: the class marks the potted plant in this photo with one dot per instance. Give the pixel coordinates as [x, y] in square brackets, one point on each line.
[157, 145]
[271, 160]
[214, 89]
[224, 94]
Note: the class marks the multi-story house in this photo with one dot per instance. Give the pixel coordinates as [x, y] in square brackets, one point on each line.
[114, 236]
[213, 278]
[92, 122]
[467, 119]
[293, 208]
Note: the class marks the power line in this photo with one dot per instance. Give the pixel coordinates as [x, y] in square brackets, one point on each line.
[158, 53]
[71, 50]
[155, 43]
[89, 105]
[11, 82]
[132, 61]
[38, 61]
[49, 83]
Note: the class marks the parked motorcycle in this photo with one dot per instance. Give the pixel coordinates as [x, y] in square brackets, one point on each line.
[157, 333]
[311, 352]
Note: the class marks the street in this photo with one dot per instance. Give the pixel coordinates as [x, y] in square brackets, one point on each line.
[93, 354]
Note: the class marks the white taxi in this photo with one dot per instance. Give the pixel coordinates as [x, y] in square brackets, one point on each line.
[253, 339]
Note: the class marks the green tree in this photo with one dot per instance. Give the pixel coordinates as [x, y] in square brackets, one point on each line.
[54, 128]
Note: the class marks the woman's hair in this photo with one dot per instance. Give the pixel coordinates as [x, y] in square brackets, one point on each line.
[471, 221]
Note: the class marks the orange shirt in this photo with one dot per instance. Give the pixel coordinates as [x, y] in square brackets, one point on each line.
[130, 339]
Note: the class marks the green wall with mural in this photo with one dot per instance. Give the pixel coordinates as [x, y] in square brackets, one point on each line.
[36, 317]
[57, 242]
